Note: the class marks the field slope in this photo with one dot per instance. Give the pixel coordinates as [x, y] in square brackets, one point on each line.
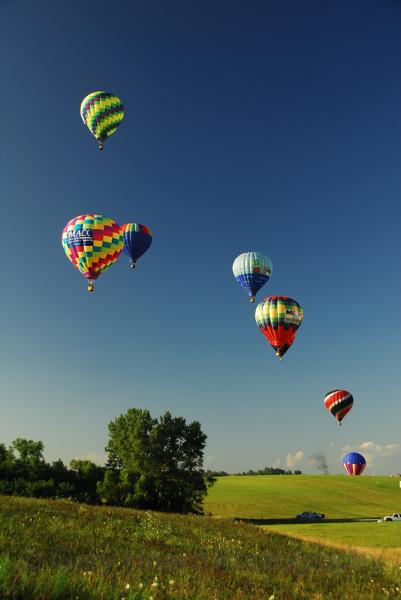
[270, 498]
[59, 550]
[283, 496]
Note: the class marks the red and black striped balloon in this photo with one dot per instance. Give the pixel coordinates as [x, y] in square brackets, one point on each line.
[339, 403]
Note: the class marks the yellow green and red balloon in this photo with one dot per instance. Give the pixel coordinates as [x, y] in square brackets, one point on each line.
[92, 243]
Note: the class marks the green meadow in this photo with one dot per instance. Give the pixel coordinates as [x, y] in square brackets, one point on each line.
[60, 550]
[377, 535]
[339, 497]
[283, 496]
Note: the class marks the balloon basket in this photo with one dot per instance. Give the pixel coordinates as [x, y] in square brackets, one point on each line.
[91, 287]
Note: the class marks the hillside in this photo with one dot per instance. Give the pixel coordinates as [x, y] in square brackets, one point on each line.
[283, 496]
[59, 550]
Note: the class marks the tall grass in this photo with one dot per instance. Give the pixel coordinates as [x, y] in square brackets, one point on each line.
[55, 550]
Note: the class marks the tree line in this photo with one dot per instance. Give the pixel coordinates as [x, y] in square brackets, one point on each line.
[264, 471]
[151, 463]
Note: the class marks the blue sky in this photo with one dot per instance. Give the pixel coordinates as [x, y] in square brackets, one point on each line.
[270, 126]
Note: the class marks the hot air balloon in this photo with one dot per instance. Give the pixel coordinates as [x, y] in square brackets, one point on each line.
[252, 270]
[137, 239]
[354, 463]
[278, 318]
[102, 113]
[92, 243]
[339, 403]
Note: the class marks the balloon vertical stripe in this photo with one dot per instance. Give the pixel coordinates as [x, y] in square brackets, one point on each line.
[354, 463]
[137, 240]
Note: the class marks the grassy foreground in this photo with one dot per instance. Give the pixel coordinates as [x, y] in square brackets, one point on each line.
[283, 496]
[54, 550]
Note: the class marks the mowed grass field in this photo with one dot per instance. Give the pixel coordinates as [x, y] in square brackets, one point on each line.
[338, 497]
[284, 496]
[60, 550]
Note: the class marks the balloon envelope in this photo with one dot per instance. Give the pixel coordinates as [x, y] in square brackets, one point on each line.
[252, 270]
[354, 463]
[92, 243]
[137, 240]
[102, 113]
[339, 403]
[278, 318]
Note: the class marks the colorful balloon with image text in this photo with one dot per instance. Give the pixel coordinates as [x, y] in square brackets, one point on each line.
[92, 243]
[278, 318]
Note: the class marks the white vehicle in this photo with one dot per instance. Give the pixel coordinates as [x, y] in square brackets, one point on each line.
[310, 516]
[393, 517]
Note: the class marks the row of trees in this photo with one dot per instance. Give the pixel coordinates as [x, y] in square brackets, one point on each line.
[152, 463]
[265, 471]
[271, 471]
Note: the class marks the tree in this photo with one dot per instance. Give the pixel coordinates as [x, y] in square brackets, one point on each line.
[87, 475]
[29, 451]
[156, 463]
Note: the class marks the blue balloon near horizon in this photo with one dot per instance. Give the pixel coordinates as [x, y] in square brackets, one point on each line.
[354, 463]
[252, 270]
[137, 240]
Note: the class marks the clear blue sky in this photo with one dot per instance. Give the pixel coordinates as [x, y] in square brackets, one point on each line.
[270, 126]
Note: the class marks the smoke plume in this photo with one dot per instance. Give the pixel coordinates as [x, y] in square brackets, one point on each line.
[319, 461]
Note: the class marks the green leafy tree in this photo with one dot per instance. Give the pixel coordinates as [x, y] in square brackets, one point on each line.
[29, 451]
[87, 476]
[156, 463]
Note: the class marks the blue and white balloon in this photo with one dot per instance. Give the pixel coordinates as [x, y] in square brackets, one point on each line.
[252, 270]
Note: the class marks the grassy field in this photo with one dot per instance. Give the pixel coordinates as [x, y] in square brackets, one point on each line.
[283, 496]
[57, 550]
[379, 540]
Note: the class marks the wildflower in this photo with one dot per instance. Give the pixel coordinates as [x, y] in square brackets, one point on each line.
[271, 597]
[154, 584]
[140, 585]
[184, 554]
[156, 578]
[154, 563]
[127, 586]
[172, 582]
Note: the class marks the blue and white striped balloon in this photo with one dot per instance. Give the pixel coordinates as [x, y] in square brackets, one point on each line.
[252, 270]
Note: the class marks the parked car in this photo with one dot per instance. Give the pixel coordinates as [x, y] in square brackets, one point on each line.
[393, 517]
[310, 516]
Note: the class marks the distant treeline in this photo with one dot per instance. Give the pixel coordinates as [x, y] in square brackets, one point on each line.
[265, 471]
